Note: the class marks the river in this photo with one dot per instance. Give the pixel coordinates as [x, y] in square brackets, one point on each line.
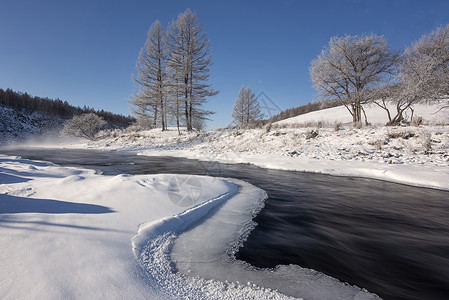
[389, 238]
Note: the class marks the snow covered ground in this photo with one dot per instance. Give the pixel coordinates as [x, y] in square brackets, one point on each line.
[410, 155]
[69, 233]
[16, 126]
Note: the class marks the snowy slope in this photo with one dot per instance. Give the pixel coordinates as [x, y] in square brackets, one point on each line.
[16, 126]
[376, 115]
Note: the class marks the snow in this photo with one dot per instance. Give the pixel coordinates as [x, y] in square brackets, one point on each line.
[375, 114]
[73, 233]
[411, 155]
[16, 125]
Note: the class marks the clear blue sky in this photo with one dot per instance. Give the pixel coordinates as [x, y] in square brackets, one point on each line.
[85, 51]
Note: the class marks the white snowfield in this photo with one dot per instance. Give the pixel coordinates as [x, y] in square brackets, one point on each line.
[69, 233]
[433, 114]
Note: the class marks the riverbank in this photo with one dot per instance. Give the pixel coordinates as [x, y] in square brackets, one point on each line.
[411, 155]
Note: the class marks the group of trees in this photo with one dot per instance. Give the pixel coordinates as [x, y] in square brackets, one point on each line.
[27, 103]
[172, 75]
[357, 70]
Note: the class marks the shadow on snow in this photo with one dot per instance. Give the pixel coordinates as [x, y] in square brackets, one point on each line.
[14, 205]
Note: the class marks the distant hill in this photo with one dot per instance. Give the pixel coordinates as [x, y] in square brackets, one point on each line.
[431, 114]
[22, 115]
[303, 109]
[28, 104]
[16, 125]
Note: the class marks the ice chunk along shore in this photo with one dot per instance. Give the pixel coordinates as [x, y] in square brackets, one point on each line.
[190, 255]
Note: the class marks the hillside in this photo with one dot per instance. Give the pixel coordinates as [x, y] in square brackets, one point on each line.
[15, 125]
[23, 115]
[431, 114]
[24, 102]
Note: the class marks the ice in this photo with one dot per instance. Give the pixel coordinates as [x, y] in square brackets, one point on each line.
[206, 251]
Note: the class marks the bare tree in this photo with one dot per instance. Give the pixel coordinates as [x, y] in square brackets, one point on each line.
[151, 78]
[350, 67]
[86, 126]
[189, 56]
[246, 108]
[383, 97]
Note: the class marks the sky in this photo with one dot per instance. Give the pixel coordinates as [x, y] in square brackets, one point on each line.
[85, 52]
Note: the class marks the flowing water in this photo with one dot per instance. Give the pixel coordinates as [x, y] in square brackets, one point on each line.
[389, 238]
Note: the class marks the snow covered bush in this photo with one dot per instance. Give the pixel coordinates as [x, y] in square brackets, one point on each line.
[337, 126]
[426, 140]
[311, 134]
[416, 121]
[85, 126]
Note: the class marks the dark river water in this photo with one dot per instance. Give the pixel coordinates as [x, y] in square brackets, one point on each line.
[389, 238]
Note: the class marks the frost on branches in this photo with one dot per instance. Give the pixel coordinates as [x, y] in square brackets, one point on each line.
[85, 126]
[246, 108]
[350, 68]
[173, 74]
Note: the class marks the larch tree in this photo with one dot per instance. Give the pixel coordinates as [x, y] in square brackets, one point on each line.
[246, 108]
[150, 100]
[350, 68]
[175, 89]
[189, 56]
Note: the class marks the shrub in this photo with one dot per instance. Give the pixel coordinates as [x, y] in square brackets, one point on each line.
[426, 140]
[401, 134]
[311, 134]
[85, 126]
[416, 121]
[337, 126]
[268, 127]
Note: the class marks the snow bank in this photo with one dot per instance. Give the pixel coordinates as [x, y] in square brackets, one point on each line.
[66, 231]
[153, 245]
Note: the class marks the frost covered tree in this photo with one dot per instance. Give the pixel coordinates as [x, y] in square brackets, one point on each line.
[150, 100]
[189, 56]
[175, 88]
[423, 76]
[85, 126]
[246, 108]
[350, 68]
[424, 72]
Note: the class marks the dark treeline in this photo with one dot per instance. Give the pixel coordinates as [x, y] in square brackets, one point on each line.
[58, 108]
[303, 109]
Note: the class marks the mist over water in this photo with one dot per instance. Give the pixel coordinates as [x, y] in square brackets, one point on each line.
[389, 238]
